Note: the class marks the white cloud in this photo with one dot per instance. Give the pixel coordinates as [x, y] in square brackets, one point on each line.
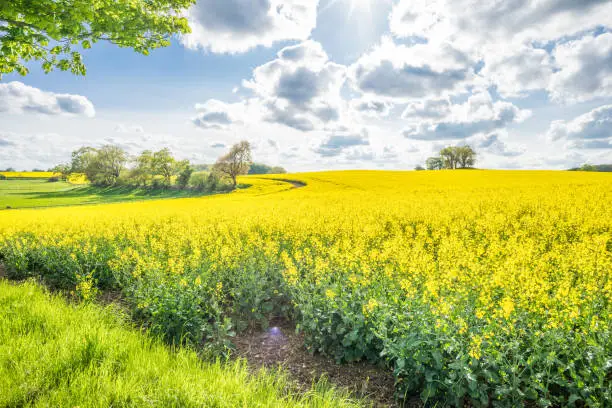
[301, 88]
[121, 128]
[585, 69]
[514, 38]
[16, 97]
[371, 107]
[412, 72]
[518, 69]
[234, 26]
[339, 142]
[474, 22]
[214, 114]
[478, 115]
[593, 130]
[495, 144]
[427, 109]
[218, 145]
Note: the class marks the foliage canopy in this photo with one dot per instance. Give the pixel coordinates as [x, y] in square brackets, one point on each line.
[54, 31]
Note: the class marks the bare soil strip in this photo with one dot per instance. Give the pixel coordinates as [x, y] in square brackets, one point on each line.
[281, 346]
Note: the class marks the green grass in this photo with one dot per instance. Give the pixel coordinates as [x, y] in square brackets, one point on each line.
[42, 193]
[64, 355]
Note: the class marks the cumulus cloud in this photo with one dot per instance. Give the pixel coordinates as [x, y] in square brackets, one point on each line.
[27, 151]
[371, 107]
[214, 114]
[593, 130]
[357, 154]
[218, 145]
[585, 69]
[338, 142]
[6, 142]
[523, 44]
[518, 69]
[478, 115]
[472, 22]
[121, 128]
[494, 143]
[590, 144]
[300, 88]
[16, 97]
[412, 72]
[427, 109]
[234, 26]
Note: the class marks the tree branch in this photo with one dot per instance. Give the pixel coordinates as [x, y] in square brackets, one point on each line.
[19, 23]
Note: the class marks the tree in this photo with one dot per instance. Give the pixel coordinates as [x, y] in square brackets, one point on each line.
[458, 157]
[164, 165]
[466, 156]
[102, 166]
[588, 167]
[419, 168]
[434, 163]
[278, 170]
[107, 165]
[142, 173]
[63, 170]
[82, 159]
[449, 155]
[184, 171]
[258, 168]
[50, 30]
[236, 162]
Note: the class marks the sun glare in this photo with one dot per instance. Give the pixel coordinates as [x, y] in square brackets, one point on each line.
[353, 5]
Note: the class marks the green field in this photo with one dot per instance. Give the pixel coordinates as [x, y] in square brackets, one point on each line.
[42, 193]
[53, 354]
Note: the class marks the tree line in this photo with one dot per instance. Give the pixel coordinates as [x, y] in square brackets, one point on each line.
[111, 165]
[451, 158]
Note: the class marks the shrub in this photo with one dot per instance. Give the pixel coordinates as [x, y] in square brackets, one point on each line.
[198, 181]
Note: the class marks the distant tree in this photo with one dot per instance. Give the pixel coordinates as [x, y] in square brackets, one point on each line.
[466, 157]
[10, 170]
[588, 167]
[102, 166]
[82, 159]
[258, 168]
[235, 163]
[278, 170]
[455, 157]
[50, 30]
[142, 173]
[607, 168]
[164, 165]
[419, 168]
[63, 170]
[184, 171]
[449, 154]
[107, 165]
[202, 167]
[435, 163]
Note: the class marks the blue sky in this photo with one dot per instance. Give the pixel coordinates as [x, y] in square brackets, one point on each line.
[338, 84]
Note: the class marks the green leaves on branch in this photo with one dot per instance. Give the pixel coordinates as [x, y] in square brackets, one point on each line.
[53, 31]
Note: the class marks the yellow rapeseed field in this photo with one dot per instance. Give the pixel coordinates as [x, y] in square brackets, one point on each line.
[27, 174]
[487, 286]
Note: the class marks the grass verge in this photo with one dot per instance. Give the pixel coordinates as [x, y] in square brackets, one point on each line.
[57, 354]
[42, 193]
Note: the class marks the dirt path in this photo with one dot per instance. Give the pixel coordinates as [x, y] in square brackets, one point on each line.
[281, 346]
